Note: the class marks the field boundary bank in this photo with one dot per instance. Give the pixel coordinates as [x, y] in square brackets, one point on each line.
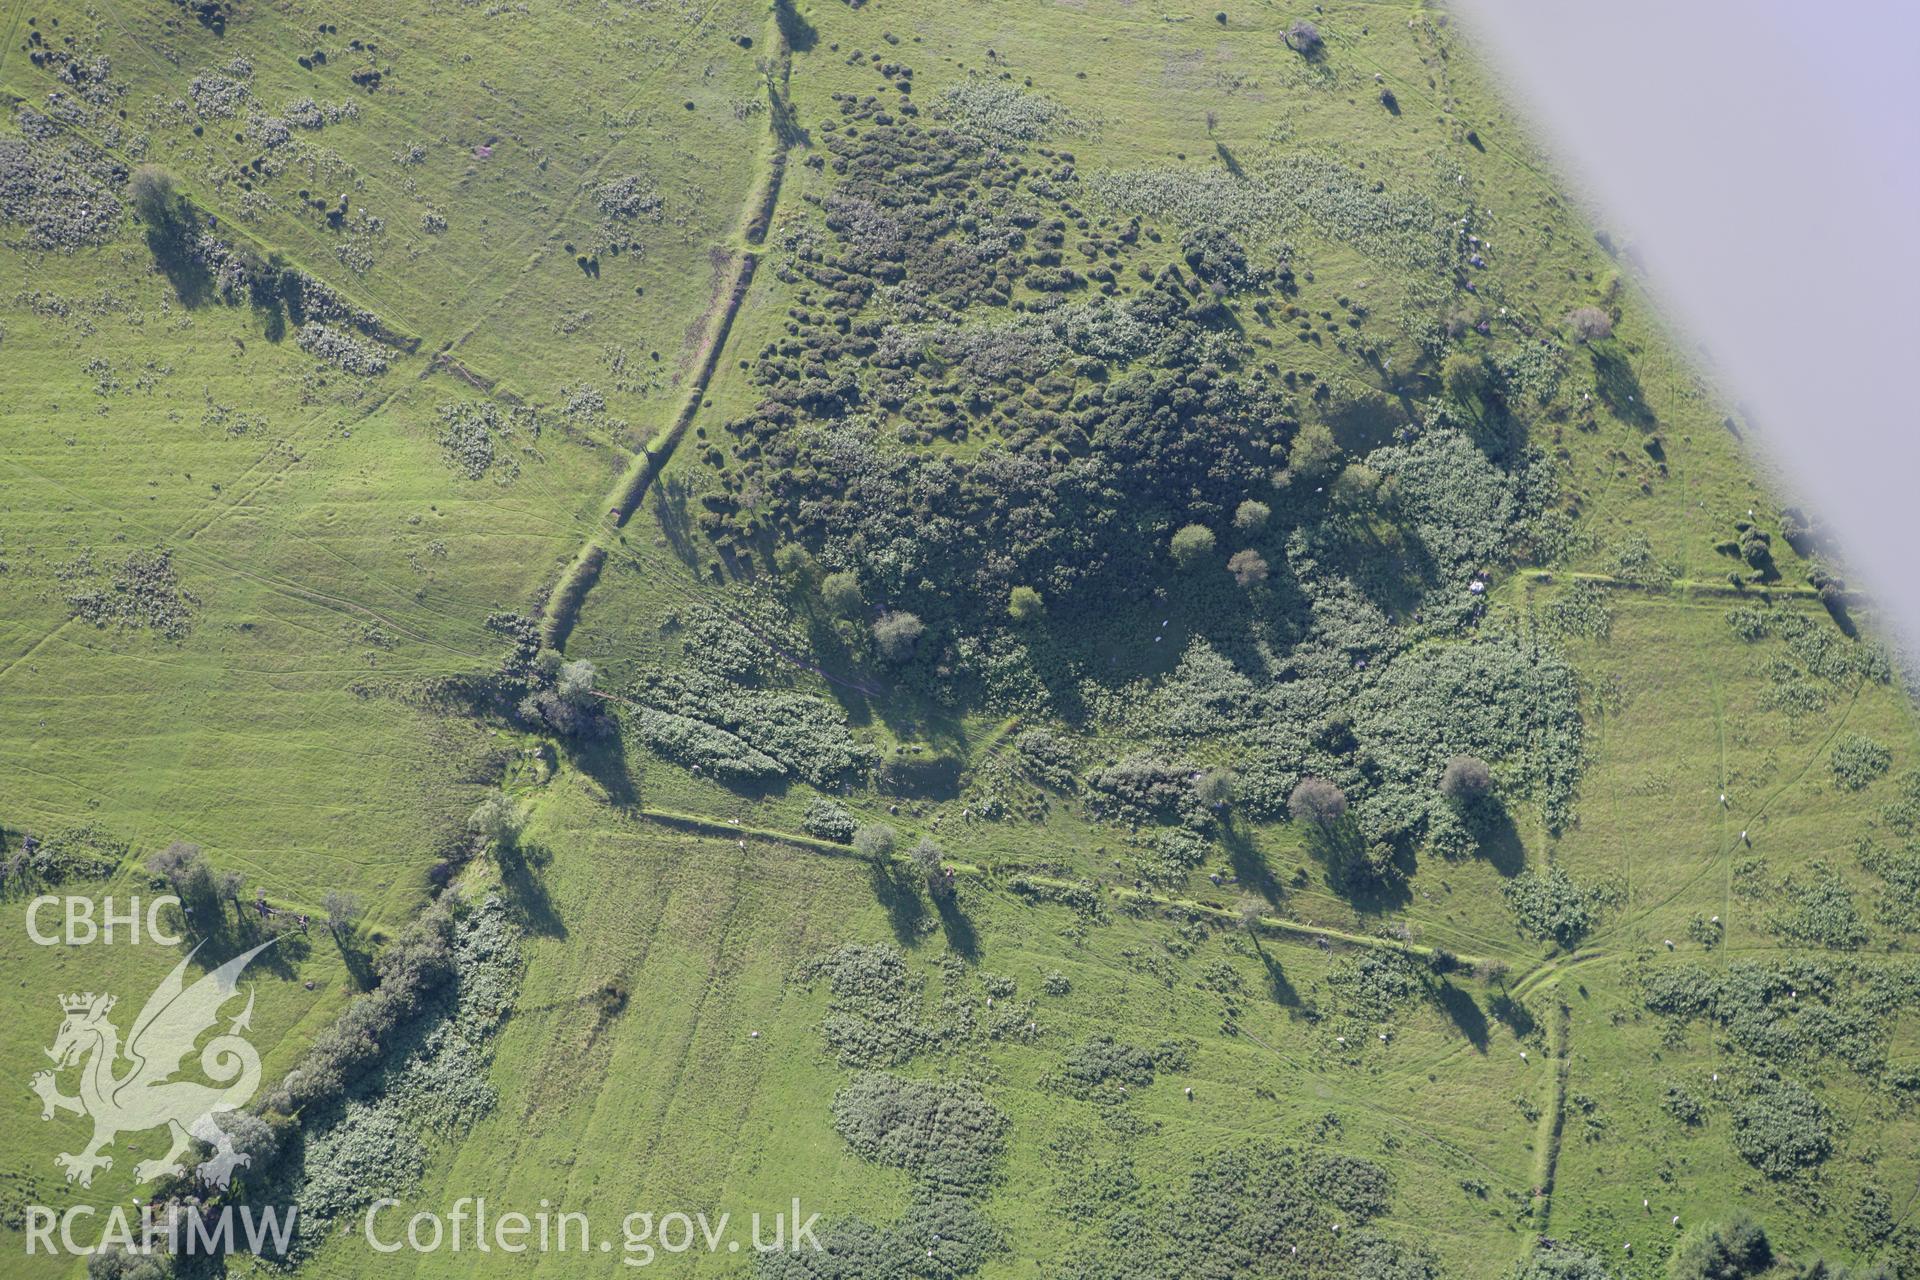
[562, 607]
[1003, 875]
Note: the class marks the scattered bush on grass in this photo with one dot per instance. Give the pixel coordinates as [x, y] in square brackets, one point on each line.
[1549, 907]
[1857, 761]
[829, 821]
[944, 1133]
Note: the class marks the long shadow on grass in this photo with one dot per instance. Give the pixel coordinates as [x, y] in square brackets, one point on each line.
[355, 957]
[1283, 992]
[1465, 1014]
[604, 759]
[1500, 842]
[960, 932]
[895, 890]
[1248, 863]
[520, 867]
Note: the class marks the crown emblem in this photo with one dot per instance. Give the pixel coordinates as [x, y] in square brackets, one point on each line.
[82, 1003]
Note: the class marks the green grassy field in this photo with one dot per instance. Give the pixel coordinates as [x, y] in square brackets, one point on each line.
[255, 603]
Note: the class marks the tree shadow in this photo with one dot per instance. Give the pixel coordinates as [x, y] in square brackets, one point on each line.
[1341, 849]
[1464, 1013]
[1499, 839]
[960, 932]
[895, 889]
[357, 959]
[1618, 385]
[794, 28]
[1279, 988]
[604, 759]
[520, 865]
[1511, 1014]
[1249, 864]
[171, 242]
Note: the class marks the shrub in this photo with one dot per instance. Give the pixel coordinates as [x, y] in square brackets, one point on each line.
[1857, 761]
[496, 822]
[931, 863]
[1560, 1260]
[1304, 38]
[1684, 1107]
[945, 1133]
[874, 841]
[828, 821]
[1214, 789]
[896, 634]
[1313, 452]
[1779, 1128]
[152, 193]
[1317, 800]
[1731, 1250]
[1590, 324]
[1191, 545]
[1549, 906]
[342, 909]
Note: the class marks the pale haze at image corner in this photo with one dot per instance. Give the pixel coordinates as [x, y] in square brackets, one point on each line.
[1762, 158]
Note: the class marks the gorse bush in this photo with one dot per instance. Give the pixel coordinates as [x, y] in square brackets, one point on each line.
[1550, 907]
[944, 1133]
[1858, 760]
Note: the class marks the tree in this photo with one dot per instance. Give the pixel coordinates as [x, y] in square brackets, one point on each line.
[1466, 779]
[154, 198]
[1304, 38]
[1732, 1250]
[1356, 485]
[1252, 516]
[1247, 567]
[342, 909]
[497, 821]
[186, 872]
[570, 708]
[931, 864]
[1214, 789]
[874, 841]
[795, 561]
[1318, 801]
[1313, 452]
[840, 593]
[1466, 378]
[1590, 324]
[1191, 544]
[896, 634]
[1024, 604]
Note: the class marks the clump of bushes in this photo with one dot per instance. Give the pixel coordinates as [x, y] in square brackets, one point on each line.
[1102, 1060]
[344, 351]
[1857, 761]
[829, 821]
[946, 1133]
[1780, 1127]
[1549, 907]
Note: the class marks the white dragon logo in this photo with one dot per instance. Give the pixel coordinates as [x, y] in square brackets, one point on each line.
[144, 1096]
